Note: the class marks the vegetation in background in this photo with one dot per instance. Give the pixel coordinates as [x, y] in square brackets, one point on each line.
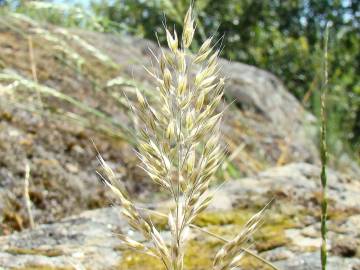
[283, 37]
[67, 15]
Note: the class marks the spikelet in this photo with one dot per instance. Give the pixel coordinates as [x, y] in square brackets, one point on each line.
[172, 41]
[189, 29]
[229, 256]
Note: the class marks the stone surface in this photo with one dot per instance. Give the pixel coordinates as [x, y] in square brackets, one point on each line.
[262, 101]
[311, 261]
[346, 247]
[85, 241]
[295, 183]
[290, 237]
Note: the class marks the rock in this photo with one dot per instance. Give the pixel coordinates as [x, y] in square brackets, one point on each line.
[263, 92]
[311, 261]
[261, 96]
[278, 254]
[254, 88]
[345, 247]
[295, 183]
[88, 240]
[286, 238]
[351, 226]
[303, 243]
[294, 189]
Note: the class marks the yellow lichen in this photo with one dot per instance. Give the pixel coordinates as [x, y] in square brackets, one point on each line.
[198, 257]
[238, 217]
[43, 267]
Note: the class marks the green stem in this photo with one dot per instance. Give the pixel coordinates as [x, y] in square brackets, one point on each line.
[323, 152]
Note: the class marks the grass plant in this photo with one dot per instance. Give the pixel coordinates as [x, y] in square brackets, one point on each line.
[179, 145]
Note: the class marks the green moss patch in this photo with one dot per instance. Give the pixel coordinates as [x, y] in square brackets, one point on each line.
[43, 252]
[201, 250]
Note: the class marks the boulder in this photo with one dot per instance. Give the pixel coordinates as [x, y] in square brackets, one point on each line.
[86, 241]
[289, 237]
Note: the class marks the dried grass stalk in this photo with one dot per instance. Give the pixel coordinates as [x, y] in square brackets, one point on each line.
[179, 146]
[27, 196]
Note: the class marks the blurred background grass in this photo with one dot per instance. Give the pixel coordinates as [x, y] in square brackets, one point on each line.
[284, 37]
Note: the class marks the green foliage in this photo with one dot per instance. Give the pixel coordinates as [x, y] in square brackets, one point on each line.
[67, 15]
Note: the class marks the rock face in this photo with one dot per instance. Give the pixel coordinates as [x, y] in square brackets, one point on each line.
[298, 182]
[88, 240]
[289, 237]
[78, 98]
[263, 92]
[263, 102]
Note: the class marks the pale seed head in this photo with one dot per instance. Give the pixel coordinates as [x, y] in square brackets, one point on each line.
[189, 29]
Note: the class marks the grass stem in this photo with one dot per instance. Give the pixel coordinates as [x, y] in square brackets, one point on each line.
[323, 152]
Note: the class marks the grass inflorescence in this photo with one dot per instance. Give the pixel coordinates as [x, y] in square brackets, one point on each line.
[179, 145]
